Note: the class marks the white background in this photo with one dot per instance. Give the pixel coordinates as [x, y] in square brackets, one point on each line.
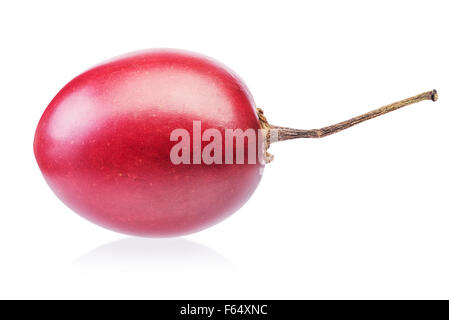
[361, 214]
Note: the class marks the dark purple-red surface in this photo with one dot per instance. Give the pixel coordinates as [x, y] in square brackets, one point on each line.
[103, 144]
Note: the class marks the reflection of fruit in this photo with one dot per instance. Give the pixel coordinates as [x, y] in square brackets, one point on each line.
[103, 144]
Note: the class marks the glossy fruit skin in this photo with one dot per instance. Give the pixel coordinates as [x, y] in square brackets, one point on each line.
[103, 143]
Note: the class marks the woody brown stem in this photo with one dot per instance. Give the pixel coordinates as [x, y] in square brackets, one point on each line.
[277, 133]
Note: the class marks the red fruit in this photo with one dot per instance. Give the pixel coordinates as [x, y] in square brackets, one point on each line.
[103, 144]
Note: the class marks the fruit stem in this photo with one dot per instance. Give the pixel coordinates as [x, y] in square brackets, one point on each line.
[277, 133]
